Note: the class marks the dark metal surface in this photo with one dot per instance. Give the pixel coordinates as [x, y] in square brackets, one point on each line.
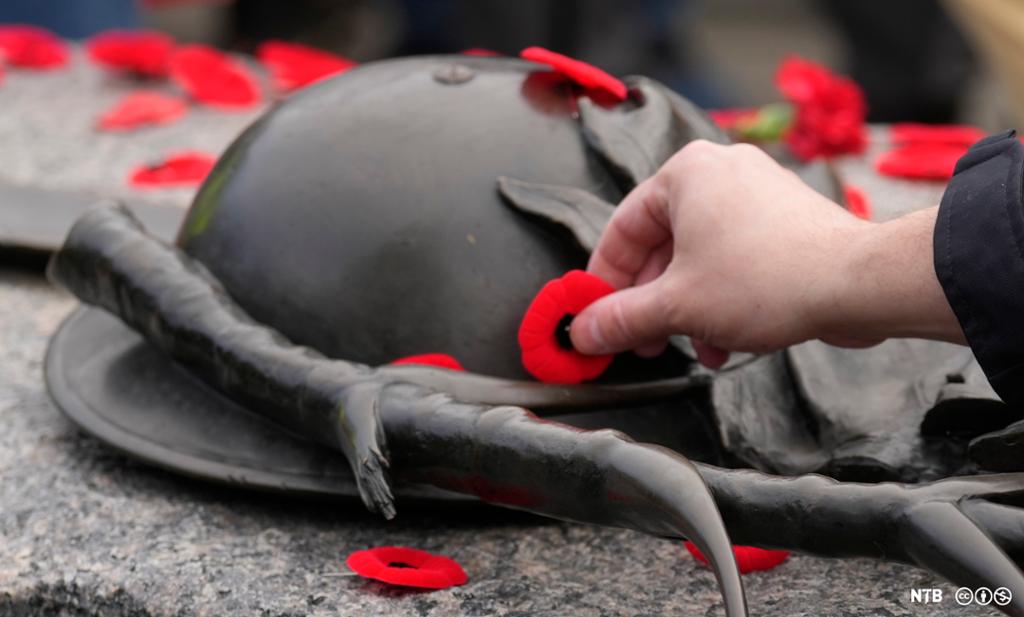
[122, 390]
[126, 393]
[601, 476]
[362, 217]
[505, 455]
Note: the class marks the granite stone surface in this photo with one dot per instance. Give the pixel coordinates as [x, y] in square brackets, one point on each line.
[86, 531]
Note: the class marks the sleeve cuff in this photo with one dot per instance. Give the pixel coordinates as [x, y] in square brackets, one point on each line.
[979, 257]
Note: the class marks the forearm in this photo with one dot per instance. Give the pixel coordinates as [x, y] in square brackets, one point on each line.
[885, 285]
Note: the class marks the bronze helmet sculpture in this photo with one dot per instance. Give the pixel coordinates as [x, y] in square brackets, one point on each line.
[415, 205]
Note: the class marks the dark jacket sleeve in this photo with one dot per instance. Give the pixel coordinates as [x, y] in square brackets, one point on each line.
[979, 258]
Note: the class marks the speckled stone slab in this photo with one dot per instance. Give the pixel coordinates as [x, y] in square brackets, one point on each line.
[85, 531]
[47, 128]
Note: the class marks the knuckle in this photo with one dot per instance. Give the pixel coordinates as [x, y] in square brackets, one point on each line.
[695, 158]
[696, 151]
[745, 149]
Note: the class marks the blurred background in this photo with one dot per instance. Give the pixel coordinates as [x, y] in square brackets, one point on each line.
[918, 60]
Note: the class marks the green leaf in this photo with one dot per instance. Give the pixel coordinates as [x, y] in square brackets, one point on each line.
[769, 124]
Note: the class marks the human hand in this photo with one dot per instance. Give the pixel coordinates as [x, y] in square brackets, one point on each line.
[728, 247]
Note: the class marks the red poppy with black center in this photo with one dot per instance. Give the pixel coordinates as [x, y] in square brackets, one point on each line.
[294, 66]
[748, 558]
[921, 161]
[213, 77]
[441, 360]
[906, 133]
[586, 75]
[179, 170]
[140, 109]
[857, 202]
[142, 52]
[32, 47]
[547, 351]
[408, 567]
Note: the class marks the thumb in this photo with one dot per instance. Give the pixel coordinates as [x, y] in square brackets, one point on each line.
[623, 320]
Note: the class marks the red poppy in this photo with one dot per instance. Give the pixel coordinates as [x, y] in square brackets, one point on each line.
[830, 110]
[748, 558]
[213, 77]
[441, 360]
[729, 118]
[906, 133]
[179, 170]
[32, 47]
[547, 352]
[857, 202]
[294, 66]
[549, 93]
[586, 75]
[140, 109]
[409, 567]
[479, 51]
[922, 161]
[143, 52]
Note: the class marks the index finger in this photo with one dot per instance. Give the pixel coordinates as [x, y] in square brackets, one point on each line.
[639, 226]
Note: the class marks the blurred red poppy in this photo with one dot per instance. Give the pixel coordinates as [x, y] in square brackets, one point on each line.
[408, 567]
[441, 360]
[748, 558]
[922, 161]
[479, 51]
[143, 108]
[857, 202]
[294, 66]
[31, 47]
[547, 352]
[906, 133]
[830, 110]
[586, 75]
[179, 170]
[729, 118]
[213, 77]
[143, 52]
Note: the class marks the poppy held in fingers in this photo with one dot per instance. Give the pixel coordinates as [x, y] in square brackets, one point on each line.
[547, 352]
[440, 360]
[408, 567]
[748, 558]
[586, 75]
[142, 52]
[140, 109]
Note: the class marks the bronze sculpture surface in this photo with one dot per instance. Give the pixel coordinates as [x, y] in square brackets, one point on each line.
[469, 433]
